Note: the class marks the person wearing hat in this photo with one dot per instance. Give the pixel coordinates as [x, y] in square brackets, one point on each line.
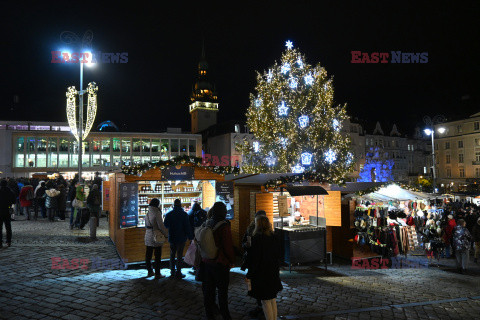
[7, 198]
[447, 236]
[246, 243]
[476, 239]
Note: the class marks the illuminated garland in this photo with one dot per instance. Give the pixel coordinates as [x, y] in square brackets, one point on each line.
[71, 114]
[91, 108]
[298, 178]
[180, 160]
[296, 125]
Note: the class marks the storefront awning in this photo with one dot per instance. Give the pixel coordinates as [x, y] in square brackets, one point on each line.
[306, 191]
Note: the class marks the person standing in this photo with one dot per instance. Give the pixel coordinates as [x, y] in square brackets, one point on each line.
[196, 216]
[246, 243]
[7, 199]
[25, 198]
[70, 197]
[154, 221]
[51, 201]
[62, 201]
[94, 200]
[263, 267]
[12, 184]
[40, 200]
[78, 209]
[216, 273]
[178, 225]
[476, 239]
[447, 236]
[462, 241]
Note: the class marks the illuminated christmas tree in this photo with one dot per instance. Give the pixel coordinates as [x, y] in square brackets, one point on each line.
[296, 126]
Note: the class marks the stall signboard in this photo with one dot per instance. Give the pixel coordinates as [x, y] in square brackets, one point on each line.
[283, 206]
[128, 204]
[224, 191]
[178, 173]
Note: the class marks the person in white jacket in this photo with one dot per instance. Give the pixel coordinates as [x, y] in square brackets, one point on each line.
[154, 221]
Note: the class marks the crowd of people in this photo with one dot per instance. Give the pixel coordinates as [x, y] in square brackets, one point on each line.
[211, 234]
[47, 199]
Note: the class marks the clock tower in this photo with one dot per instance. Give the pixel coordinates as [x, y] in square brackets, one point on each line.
[204, 104]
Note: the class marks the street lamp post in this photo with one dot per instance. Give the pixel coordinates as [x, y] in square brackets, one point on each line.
[430, 130]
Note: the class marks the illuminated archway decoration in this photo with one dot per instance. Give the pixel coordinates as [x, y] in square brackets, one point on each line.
[91, 109]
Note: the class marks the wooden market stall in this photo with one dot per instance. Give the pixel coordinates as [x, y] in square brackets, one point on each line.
[130, 194]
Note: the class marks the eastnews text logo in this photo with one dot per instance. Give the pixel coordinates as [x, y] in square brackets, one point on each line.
[386, 263]
[97, 263]
[389, 57]
[89, 57]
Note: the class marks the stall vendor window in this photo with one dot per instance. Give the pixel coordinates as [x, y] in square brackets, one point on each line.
[192, 147]
[137, 144]
[53, 152]
[165, 149]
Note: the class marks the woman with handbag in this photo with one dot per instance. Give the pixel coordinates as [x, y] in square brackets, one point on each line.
[155, 236]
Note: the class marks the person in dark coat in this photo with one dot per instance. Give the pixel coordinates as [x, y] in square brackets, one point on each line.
[263, 267]
[12, 184]
[196, 216]
[40, 200]
[216, 273]
[7, 198]
[51, 201]
[62, 201]
[178, 225]
[94, 201]
[476, 239]
[246, 244]
[26, 199]
[462, 241]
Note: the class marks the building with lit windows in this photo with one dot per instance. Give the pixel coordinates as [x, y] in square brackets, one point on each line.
[457, 152]
[49, 147]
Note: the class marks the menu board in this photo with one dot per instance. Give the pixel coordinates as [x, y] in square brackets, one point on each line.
[175, 173]
[283, 206]
[128, 204]
[224, 190]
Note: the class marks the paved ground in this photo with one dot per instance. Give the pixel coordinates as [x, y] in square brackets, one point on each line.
[31, 289]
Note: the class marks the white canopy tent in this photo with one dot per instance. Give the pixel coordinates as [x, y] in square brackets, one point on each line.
[393, 192]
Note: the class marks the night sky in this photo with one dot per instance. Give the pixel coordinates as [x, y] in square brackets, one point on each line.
[152, 90]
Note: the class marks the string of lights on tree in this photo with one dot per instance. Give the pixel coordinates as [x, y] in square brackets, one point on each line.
[139, 169]
[296, 126]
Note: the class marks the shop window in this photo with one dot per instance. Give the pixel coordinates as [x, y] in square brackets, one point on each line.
[41, 144]
[106, 146]
[174, 146]
[31, 144]
[105, 160]
[21, 144]
[117, 161]
[116, 145]
[20, 160]
[86, 160]
[63, 147]
[460, 158]
[462, 172]
[53, 153]
[146, 146]
[156, 158]
[447, 145]
[146, 159]
[136, 160]
[96, 162]
[155, 145]
[126, 159]
[183, 146]
[460, 144]
[86, 146]
[192, 147]
[126, 146]
[31, 160]
[137, 145]
[96, 146]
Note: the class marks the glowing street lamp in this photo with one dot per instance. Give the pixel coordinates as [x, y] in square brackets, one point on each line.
[430, 131]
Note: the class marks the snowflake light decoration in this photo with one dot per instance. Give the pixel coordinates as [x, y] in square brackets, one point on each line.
[285, 68]
[336, 125]
[289, 44]
[256, 146]
[349, 158]
[282, 109]
[306, 158]
[303, 121]
[300, 63]
[330, 156]
[258, 102]
[298, 169]
[293, 83]
[269, 76]
[271, 159]
[283, 142]
[308, 79]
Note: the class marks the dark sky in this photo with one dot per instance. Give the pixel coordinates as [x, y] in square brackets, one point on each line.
[152, 90]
